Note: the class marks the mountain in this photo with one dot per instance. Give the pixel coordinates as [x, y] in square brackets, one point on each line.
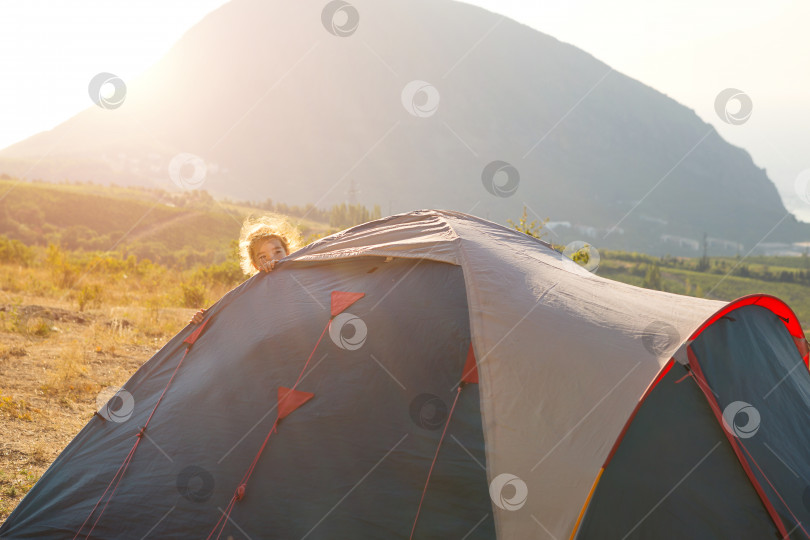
[277, 106]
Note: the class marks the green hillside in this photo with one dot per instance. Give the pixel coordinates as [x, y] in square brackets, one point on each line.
[148, 223]
[722, 278]
[190, 229]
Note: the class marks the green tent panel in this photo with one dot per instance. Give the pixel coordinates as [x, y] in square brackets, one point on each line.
[717, 447]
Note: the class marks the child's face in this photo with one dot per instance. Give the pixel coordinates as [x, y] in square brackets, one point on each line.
[268, 250]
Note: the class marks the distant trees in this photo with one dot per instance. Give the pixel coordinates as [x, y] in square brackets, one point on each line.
[652, 280]
[190, 198]
[309, 211]
[339, 216]
[704, 263]
[348, 215]
[15, 252]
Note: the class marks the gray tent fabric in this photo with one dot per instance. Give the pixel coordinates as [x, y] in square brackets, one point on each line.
[563, 354]
[562, 358]
[350, 463]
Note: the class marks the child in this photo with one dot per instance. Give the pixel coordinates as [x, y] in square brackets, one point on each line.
[262, 242]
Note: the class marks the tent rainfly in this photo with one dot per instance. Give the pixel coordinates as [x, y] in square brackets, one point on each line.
[435, 375]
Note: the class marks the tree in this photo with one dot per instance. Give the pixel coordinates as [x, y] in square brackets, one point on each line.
[347, 215]
[703, 263]
[533, 228]
[653, 278]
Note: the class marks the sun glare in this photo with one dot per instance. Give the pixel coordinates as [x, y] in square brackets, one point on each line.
[59, 46]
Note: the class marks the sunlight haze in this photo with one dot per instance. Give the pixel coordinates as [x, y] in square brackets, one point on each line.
[688, 50]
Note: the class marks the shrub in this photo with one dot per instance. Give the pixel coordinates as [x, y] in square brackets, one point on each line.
[15, 252]
[38, 327]
[63, 272]
[194, 295]
[89, 296]
[13, 320]
[227, 273]
[67, 376]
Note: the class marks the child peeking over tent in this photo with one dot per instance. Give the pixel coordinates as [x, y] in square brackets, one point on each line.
[262, 242]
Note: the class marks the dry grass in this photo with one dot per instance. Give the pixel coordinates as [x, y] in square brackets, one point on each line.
[72, 325]
[16, 408]
[67, 374]
[56, 358]
[11, 351]
[13, 485]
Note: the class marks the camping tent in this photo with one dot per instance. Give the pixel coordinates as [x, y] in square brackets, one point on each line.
[435, 375]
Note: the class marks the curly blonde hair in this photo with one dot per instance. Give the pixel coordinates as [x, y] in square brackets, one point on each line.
[261, 228]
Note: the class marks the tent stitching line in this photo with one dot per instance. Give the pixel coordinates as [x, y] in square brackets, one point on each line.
[658, 378]
[242, 487]
[470, 291]
[433, 463]
[699, 379]
[735, 443]
[486, 355]
[119, 475]
[235, 524]
[774, 487]
[273, 408]
[470, 377]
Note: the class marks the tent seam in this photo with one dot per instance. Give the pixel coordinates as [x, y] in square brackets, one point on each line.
[484, 378]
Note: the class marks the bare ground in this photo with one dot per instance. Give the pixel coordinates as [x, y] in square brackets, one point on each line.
[54, 361]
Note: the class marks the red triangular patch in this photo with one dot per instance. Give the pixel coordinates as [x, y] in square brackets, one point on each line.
[289, 400]
[470, 368]
[196, 333]
[341, 300]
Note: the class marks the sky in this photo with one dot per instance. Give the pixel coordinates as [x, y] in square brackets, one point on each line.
[690, 50]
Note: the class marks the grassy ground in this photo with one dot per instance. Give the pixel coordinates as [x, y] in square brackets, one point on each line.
[54, 362]
[70, 327]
